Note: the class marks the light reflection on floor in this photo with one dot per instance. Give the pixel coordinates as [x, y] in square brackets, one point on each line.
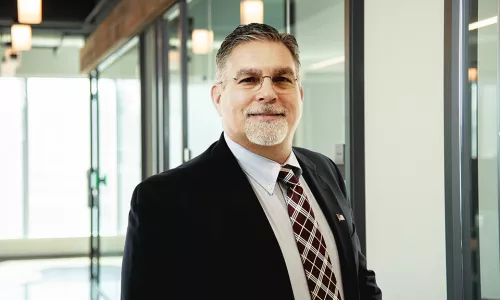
[57, 279]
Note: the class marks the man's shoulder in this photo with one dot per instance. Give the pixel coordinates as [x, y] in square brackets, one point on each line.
[177, 182]
[323, 163]
[184, 174]
[315, 157]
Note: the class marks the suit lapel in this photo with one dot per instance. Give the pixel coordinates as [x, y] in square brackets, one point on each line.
[328, 197]
[238, 195]
[249, 232]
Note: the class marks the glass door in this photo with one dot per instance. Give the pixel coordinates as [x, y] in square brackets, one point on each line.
[115, 161]
[484, 92]
[174, 111]
[119, 136]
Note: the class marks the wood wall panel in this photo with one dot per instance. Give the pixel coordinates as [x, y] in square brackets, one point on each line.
[126, 20]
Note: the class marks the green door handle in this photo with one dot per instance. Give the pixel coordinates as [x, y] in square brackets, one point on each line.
[103, 180]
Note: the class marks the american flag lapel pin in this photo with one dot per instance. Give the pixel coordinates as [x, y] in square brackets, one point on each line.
[340, 217]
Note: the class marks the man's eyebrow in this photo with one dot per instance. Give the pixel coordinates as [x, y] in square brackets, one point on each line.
[283, 71]
[258, 72]
[248, 71]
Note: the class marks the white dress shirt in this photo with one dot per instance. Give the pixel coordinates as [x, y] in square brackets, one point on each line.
[262, 174]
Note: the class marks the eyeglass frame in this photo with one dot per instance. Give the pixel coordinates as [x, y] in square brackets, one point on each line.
[296, 80]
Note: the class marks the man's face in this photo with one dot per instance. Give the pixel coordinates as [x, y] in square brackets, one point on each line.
[265, 114]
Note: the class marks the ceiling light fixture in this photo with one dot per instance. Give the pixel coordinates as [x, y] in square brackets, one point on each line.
[483, 23]
[21, 37]
[251, 11]
[472, 74]
[328, 62]
[29, 11]
[174, 60]
[203, 41]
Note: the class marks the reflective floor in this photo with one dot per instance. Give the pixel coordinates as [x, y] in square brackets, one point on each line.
[57, 279]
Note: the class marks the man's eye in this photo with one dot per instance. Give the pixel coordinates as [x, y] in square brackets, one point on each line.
[282, 79]
[248, 80]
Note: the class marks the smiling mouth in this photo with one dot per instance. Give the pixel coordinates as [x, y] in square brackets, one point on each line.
[265, 115]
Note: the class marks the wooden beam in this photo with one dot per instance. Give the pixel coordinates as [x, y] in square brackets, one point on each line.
[126, 20]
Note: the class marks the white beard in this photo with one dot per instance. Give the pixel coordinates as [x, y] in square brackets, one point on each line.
[266, 133]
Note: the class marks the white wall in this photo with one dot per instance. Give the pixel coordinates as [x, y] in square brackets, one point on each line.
[404, 147]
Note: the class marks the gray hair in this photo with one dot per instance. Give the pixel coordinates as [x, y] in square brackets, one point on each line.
[253, 32]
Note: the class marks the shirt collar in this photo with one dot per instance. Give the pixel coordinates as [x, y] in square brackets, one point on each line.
[261, 169]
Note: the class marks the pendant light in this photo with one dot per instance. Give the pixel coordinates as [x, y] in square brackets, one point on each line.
[251, 11]
[29, 11]
[21, 37]
[202, 41]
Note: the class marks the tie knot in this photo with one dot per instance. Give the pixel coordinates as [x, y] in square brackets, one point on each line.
[287, 175]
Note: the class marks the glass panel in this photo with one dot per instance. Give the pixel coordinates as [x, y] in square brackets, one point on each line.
[129, 145]
[108, 198]
[483, 77]
[58, 157]
[204, 124]
[12, 108]
[319, 29]
[120, 139]
[217, 18]
[174, 89]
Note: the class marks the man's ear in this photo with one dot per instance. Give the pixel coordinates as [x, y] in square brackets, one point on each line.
[216, 95]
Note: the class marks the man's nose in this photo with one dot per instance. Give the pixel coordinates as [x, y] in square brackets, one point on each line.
[266, 91]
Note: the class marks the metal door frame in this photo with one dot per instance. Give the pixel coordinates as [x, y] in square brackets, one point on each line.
[94, 181]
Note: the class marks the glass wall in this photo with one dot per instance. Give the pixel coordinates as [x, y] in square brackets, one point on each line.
[174, 106]
[45, 150]
[204, 124]
[45, 156]
[319, 29]
[484, 93]
[116, 160]
[119, 139]
[58, 157]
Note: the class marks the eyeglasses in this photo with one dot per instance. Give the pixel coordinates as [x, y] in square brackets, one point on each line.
[281, 83]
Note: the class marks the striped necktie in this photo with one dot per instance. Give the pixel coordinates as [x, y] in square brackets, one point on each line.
[310, 242]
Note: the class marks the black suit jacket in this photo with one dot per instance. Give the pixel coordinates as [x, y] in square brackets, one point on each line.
[199, 232]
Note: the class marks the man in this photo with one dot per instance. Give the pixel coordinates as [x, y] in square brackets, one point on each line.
[252, 217]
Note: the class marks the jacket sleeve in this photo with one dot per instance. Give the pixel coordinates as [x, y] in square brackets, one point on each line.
[368, 287]
[145, 259]
[136, 263]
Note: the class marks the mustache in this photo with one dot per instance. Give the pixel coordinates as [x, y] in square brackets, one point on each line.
[268, 109]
